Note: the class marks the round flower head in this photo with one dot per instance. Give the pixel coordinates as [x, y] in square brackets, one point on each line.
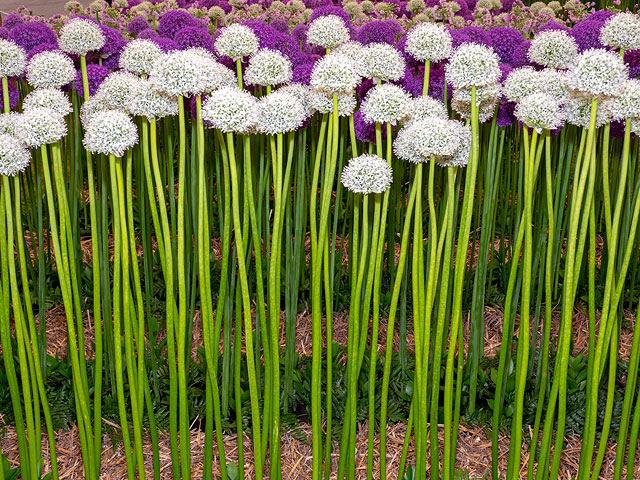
[8, 123]
[483, 94]
[50, 70]
[95, 104]
[12, 59]
[352, 49]
[367, 174]
[268, 67]
[215, 75]
[627, 104]
[335, 73]
[424, 139]
[473, 65]
[461, 157]
[539, 111]
[522, 82]
[555, 84]
[598, 72]
[110, 133]
[577, 111]
[323, 103]
[231, 110]
[51, 98]
[145, 101]
[382, 61]
[236, 41]
[553, 49]
[278, 113]
[386, 103]
[622, 31]
[177, 73]
[138, 56]
[486, 110]
[40, 126]
[80, 37]
[303, 94]
[116, 89]
[14, 157]
[327, 31]
[425, 107]
[429, 41]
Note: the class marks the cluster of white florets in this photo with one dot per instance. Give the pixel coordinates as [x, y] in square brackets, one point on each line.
[473, 65]
[8, 123]
[139, 55]
[80, 36]
[279, 112]
[94, 105]
[51, 98]
[425, 107]
[488, 93]
[40, 126]
[429, 41]
[236, 41]
[178, 73]
[14, 157]
[553, 49]
[12, 59]
[577, 111]
[621, 31]
[50, 69]
[231, 110]
[327, 31]
[335, 73]
[146, 101]
[539, 111]
[352, 49]
[386, 103]
[381, 61]
[522, 82]
[267, 68]
[461, 157]
[116, 89]
[302, 93]
[367, 174]
[426, 139]
[598, 73]
[110, 133]
[627, 104]
[323, 103]
[486, 110]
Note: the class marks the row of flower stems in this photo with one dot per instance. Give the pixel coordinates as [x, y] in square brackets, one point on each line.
[562, 187]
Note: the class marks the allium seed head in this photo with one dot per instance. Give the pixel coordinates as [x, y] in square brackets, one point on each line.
[178, 73]
[8, 123]
[429, 41]
[40, 126]
[110, 133]
[51, 98]
[461, 157]
[352, 49]
[556, 84]
[138, 56]
[577, 111]
[95, 104]
[386, 103]
[236, 41]
[622, 31]
[598, 72]
[424, 139]
[522, 82]
[231, 110]
[627, 104]
[367, 174]
[278, 113]
[327, 31]
[146, 101]
[50, 69]
[335, 73]
[267, 68]
[473, 65]
[553, 49]
[12, 59]
[302, 93]
[80, 36]
[381, 61]
[14, 157]
[425, 107]
[116, 89]
[539, 111]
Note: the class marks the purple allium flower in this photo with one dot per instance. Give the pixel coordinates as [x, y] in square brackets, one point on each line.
[184, 3]
[45, 47]
[617, 130]
[401, 47]
[12, 20]
[469, 35]
[192, 37]
[505, 115]
[632, 58]
[14, 95]
[365, 131]
[302, 73]
[133, 3]
[4, 33]
[173, 21]
[148, 33]
[166, 44]
[95, 75]
[519, 57]
[395, 26]
[464, 11]
[299, 33]
[601, 15]
[201, 23]
[587, 34]
[137, 25]
[411, 83]
[437, 83]
[504, 40]
[507, 5]
[331, 10]
[376, 31]
[280, 25]
[552, 25]
[32, 34]
[114, 44]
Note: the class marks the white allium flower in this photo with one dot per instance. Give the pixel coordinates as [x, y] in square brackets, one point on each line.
[80, 36]
[461, 157]
[12, 59]
[556, 84]
[14, 157]
[231, 110]
[268, 67]
[335, 73]
[328, 31]
[386, 103]
[8, 123]
[323, 103]
[138, 56]
[553, 49]
[522, 82]
[577, 111]
[95, 104]
[598, 72]
[302, 93]
[352, 49]
[539, 111]
[236, 41]
[483, 94]
[110, 133]
[429, 41]
[473, 65]
[381, 61]
[116, 89]
[622, 31]
[486, 110]
[50, 69]
[178, 73]
[40, 126]
[279, 112]
[426, 107]
[367, 174]
[51, 98]
[146, 101]
[213, 75]
[635, 126]
[424, 139]
[627, 104]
